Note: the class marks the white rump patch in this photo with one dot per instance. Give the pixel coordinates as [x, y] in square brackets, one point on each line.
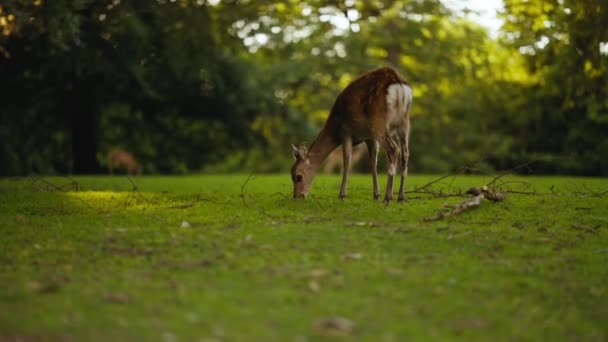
[399, 100]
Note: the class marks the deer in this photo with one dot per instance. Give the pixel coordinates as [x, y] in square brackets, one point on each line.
[121, 159]
[374, 109]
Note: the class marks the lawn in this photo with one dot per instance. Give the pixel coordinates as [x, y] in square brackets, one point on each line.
[234, 258]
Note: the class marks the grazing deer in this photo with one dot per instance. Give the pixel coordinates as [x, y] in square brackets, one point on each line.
[374, 109]
[120, 159]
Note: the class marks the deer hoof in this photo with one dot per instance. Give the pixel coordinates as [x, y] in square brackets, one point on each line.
[376, 197]
[401, 199]
[342, 196]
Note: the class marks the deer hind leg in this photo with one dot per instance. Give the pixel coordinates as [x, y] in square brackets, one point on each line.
[347, 149]
[404, 135]
[372, 151]
[392, 152]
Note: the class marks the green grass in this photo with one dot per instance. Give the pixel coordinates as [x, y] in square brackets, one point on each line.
[88, 259]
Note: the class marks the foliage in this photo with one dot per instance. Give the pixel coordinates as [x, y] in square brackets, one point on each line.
[87, 258]
[200, 85]
[104, 73]
[565, 45]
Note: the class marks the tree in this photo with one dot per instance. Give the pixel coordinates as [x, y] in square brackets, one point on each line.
[567, 113]
[161, 61]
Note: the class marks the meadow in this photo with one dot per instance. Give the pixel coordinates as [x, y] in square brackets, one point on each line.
[235, 258]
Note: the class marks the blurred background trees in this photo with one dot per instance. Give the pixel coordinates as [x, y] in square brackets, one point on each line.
[218, 86]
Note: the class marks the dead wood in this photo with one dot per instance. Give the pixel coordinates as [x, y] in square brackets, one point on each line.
[489, 193]
[467, 204]
[479, 194]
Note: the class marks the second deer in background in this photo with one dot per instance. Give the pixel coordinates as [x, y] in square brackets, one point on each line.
[123, 160]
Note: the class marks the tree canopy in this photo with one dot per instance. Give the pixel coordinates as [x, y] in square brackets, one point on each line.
[228, 85]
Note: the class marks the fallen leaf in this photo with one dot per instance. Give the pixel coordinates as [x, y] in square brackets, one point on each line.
[519, 225]
[266, 247]
[542, 229]
[393, 271]
[336, 326]
[117, 298]
[317, 273]
[48, 287]
[471, 323]
[314, 287]
[352, 256]
[586, 229]
[247, 241]
[364, 224]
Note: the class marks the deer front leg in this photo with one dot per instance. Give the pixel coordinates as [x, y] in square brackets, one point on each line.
[372, 151]
[392, 152]
[347, 149]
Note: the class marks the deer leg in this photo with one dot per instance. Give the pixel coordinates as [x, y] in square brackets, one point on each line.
[372, 150]
[404, 136]
[347, 149]
[392, 152]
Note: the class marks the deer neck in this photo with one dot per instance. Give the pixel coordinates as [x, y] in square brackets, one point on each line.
[323, 145]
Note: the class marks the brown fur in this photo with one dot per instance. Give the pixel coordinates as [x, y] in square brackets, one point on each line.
[123, 160]
[359, 114]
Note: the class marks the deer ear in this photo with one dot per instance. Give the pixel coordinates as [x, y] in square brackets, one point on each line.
[296, 152]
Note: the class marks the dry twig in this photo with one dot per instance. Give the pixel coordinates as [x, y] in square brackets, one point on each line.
[478, 195]
[243, 197]
[467, 204]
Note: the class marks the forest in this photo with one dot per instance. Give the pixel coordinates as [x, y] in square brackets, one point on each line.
[226, 86]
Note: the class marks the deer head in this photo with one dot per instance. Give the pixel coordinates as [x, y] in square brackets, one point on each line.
[302, 171]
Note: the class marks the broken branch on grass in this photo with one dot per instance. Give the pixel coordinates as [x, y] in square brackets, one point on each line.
[474, 202]
[420, 188]
[54, 187]
[136, 191]
[467, 204]
[282, 195]
[491, 194]
[595, 193]
[243, 197]
[249, 178]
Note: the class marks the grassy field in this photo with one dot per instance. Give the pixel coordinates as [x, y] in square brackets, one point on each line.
[233, 258]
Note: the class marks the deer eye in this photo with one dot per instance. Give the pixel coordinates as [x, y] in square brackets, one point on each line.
[298, 178]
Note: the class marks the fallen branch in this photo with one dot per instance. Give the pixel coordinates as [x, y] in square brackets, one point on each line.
[135, 190]
[243, 196]
[491, 194]
[420, 188]
[470, 203]
[467, 204]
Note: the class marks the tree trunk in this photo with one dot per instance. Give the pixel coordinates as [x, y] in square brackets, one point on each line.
[84, 124]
